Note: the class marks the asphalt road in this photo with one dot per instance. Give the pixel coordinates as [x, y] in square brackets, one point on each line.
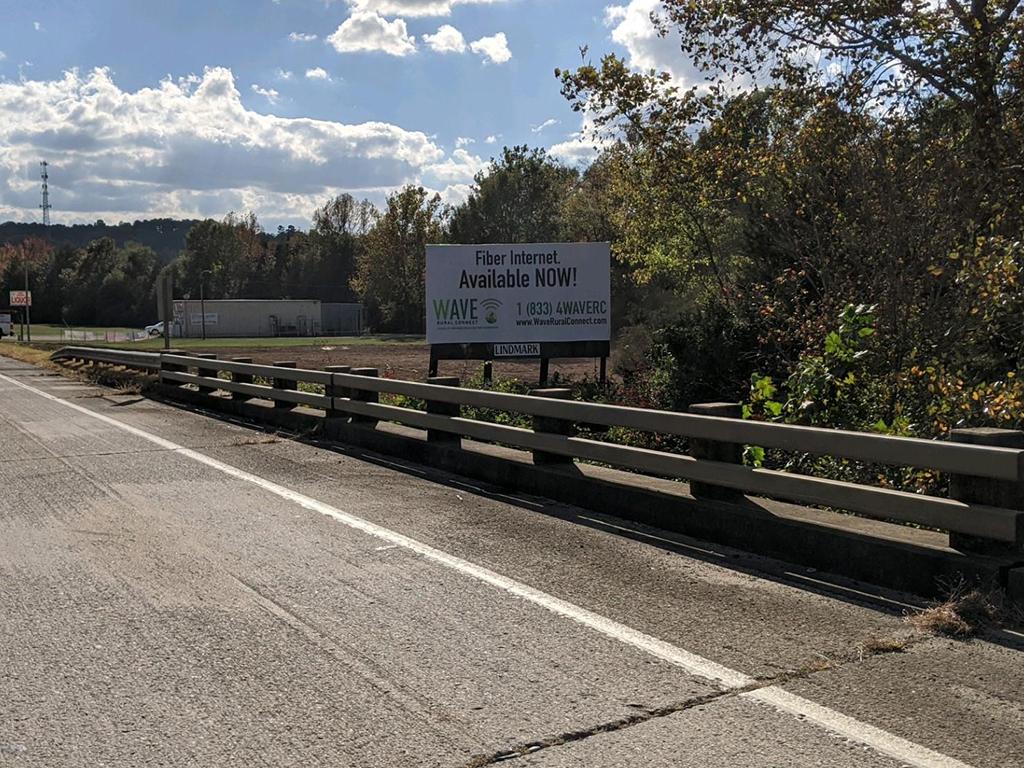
[177, 590]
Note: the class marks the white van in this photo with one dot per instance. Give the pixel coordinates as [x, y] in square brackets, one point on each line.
[5, 324]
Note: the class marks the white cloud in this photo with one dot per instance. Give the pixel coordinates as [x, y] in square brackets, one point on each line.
[37, 26]
[318, 73]
[492, 139]
[456, 194]
[447, 40]
[575, 150]
[546, 124]
[2, 55]
[581, 147]
[302, 37]
[632, 29]
[461, 166]
[414, 7]
[268, 93]
[284, 74]
[189, 147]
[494, 49]
[463, 141]
[369, 31]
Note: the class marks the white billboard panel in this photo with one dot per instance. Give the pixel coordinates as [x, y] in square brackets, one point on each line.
[536, 292]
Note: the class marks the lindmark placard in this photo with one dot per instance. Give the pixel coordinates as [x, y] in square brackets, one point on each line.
[536, 292]
[514, 349]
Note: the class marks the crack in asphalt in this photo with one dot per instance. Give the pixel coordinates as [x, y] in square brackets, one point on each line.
[567, 737]
[645, 715]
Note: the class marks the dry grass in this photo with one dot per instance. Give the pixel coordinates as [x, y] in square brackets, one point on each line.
[26, 354]
[878, 645]
[966, 612]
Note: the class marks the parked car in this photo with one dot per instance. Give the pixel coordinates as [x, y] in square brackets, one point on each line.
[156, 329]
[5, 324]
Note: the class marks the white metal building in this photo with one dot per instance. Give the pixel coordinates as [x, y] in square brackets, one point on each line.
[226, 318]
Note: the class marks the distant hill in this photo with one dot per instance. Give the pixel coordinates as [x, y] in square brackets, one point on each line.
[165, 236]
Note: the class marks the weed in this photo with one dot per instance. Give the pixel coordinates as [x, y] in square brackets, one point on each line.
[966, 612]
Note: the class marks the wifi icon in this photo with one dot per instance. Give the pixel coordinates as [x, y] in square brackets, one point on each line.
[491, 306]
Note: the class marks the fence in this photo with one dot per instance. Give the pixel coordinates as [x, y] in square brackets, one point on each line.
[987, 478]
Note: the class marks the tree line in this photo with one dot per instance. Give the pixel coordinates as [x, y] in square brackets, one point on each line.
[352, 252]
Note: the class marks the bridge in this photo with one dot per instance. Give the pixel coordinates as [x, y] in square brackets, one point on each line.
[259, 565]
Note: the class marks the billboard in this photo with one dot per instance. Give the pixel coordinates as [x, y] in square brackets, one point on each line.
[536, 292]
[21, 298]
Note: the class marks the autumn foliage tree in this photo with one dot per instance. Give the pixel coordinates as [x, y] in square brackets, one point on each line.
[837, 155]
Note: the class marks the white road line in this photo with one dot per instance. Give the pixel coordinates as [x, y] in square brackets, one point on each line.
[729, 679]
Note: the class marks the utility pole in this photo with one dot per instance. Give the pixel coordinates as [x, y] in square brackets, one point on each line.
[25, 313]
[202, 298]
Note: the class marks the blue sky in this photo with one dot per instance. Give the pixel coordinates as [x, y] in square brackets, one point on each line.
[188, 108]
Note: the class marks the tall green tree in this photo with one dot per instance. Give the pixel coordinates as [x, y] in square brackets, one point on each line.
[517, 199]
[327, 262]
[389, 275]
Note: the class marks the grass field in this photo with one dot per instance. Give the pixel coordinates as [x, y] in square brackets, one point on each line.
[396, 356]
[269, 343]
[52, 334]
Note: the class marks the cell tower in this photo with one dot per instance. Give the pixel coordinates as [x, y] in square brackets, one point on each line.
[46, 194]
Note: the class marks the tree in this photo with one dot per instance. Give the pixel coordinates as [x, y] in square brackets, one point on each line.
[517, 199]
[390, 269]
[965, 54]
[21, 261]
[879, 168]
[229, 258]
[326, 263]
[107, 285]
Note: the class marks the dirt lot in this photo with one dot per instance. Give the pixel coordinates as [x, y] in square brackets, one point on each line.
[405, 361]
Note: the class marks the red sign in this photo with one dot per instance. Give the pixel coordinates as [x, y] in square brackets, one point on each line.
[21, 298]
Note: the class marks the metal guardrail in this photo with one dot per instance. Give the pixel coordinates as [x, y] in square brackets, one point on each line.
[139, 361]
[356, 395]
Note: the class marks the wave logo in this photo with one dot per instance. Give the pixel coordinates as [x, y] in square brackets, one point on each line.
[491, 307]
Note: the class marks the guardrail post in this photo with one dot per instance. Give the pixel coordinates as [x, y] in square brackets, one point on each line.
[332, 390]
[365, 396]
[166, 366]
[284, 383]
[714, 450]
[552, 426]
[443, 409]
[207, 372]
[242, 378]
[983, 490]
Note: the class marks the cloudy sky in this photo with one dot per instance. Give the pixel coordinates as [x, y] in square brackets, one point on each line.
[200, 107]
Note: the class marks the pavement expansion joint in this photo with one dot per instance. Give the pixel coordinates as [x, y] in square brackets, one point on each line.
[567, 737]
[870, 649]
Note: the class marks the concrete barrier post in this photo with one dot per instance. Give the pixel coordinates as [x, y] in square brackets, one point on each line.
[714, 450]
[284, 384]
[365, 396]
[334, 390]
[242, 378]
[206, 372]
[168, 366]
[443, 409]
[984, 490]
[553, 426]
